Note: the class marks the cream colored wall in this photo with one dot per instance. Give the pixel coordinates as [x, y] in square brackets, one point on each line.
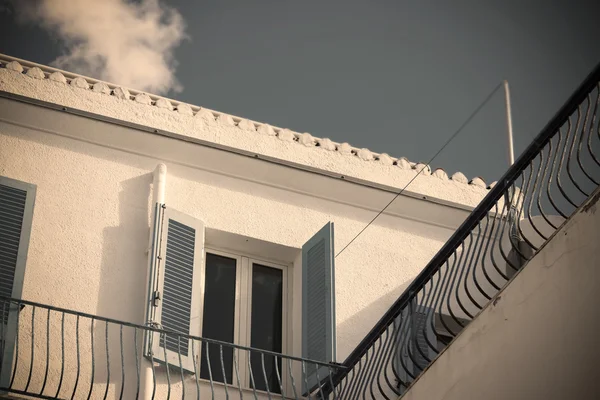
[538, 339]
[91, 226]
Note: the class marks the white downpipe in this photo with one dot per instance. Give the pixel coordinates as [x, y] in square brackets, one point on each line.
[160, 181]
[158, 196]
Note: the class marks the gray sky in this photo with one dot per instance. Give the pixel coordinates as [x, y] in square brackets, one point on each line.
[393, 76]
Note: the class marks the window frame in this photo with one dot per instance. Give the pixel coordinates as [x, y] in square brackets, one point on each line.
[243, 311]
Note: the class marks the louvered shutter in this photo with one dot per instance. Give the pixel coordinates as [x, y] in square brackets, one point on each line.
[318, 303]
[16, 212]
[174, 298]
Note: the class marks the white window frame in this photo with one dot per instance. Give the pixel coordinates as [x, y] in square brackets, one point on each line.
[243, 309]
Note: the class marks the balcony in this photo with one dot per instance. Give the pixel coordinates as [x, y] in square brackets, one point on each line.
[65, 354]
[547, 186]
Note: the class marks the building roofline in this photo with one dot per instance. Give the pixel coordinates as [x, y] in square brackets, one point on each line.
[237, 151]
[184, 113]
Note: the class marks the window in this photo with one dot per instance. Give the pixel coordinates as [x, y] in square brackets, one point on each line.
[244, 303]
[231, 297]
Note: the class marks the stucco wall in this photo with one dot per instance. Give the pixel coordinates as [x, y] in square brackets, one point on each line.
[91, 225]
[538, 339]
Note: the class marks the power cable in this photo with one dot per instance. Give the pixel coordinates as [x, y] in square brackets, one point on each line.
[483, 103]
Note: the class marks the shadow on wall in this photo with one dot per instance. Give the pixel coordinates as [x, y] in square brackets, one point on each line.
[79, 356]
[354, 329]
[123, 283]
[122, 286]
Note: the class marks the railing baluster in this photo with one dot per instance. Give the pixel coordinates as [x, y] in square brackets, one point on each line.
[330, 383]
[320, 391]
[32, 348]
[17, 340]
[457, 274]
[47, 352]
[262, 362]
[223, 371]
[561, 162]
[195, 361]
[544, 183]
[489, 241]
[291, 373]
[282, 392]
[581, 140]
[152, 366]
[78, 357]
[592, 124]
[376, 361]
[251, 375]
[107, 359]
[237, 374]
[570, 155]
[451, 270]
[137, 362]
[551, 176]
[93, 359]
[164, 335]
[180, 367]
[463, 278]
[62, 355]
[305, 380]
[122, 362]
[212, 387]
[391, 353]
[535, 188]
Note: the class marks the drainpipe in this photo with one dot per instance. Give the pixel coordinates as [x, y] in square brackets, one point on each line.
[158, 196]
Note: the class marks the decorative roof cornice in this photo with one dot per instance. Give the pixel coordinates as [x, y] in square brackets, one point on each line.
[214, 118]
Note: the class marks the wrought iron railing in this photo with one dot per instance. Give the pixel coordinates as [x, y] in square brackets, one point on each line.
[546, 185]
[59, 353]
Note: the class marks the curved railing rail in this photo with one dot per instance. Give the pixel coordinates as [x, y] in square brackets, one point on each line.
[545, 186]
[50, 352]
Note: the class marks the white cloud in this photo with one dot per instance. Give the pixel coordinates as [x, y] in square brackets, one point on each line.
[124, 42]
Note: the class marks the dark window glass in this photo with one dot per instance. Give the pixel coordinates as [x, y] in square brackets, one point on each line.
[218, 316]
[266, 325]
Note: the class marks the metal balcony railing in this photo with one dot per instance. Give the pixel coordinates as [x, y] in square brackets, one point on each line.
[546, 185]
[59, 353]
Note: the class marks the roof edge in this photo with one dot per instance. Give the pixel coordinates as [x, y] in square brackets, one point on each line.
[41, 72]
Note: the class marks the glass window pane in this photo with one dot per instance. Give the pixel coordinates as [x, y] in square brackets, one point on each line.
[219, 316]
[266, 325]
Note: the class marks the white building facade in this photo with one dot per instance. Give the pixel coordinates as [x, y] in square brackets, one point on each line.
[95, 159]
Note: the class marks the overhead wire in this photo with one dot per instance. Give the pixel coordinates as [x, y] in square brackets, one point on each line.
[454, 135]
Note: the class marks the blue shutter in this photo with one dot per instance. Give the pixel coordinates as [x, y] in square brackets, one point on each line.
[16, 212]
[318, 302]
[174, 297]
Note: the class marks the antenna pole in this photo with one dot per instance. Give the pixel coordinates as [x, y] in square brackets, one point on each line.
[511, 149]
